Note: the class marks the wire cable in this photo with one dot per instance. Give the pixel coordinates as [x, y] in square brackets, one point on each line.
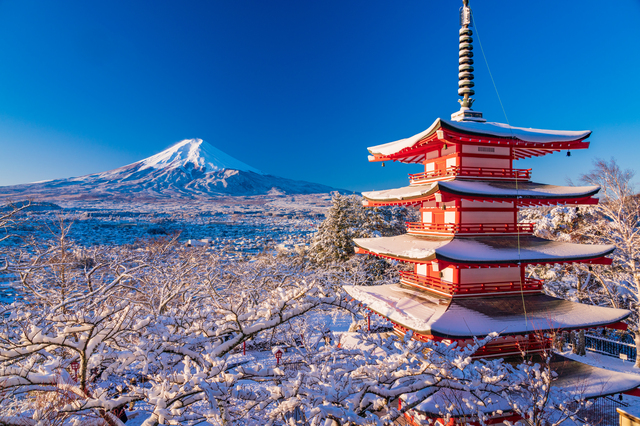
[524, 307]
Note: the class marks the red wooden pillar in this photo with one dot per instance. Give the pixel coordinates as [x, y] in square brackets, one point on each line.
[456, 277]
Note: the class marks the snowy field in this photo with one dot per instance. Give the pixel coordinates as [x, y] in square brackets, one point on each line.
[249, 226]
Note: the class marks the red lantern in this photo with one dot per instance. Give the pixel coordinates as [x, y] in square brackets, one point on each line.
[278, 355]
[75, 366]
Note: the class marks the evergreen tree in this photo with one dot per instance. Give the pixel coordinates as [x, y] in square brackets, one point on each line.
[347, 219]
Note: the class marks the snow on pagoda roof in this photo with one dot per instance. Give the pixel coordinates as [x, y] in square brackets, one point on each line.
[519, 189]
[404, 193]
[481, 249]
[429, 314]
[575, 378]
[488, 129]
[494, 189]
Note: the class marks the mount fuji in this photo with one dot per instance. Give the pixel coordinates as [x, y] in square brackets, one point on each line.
[190, 169]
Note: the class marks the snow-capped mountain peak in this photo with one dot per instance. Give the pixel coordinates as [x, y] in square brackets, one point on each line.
[194, 153]
[191, 169]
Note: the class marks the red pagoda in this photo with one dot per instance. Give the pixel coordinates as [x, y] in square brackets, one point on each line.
[468, 250]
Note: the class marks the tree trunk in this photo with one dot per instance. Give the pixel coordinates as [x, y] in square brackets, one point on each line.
[354, 324]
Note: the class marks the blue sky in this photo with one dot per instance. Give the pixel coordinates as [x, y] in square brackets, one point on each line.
[300, 88]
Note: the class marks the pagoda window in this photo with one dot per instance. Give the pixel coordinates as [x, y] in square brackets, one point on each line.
[429, 167]
[427, 217]
[486, 162]
[452, 162]
[486, 150]
[487, 212]
[447, 274]
[488, 205]
[432, 154]
[449, 150]
[490, 275]
[485, 217]
[450, 217]
[421, 269]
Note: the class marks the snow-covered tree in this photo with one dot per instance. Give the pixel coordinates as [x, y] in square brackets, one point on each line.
[347, 219]
[9, 217]
[615, 221]
[94, 331]
[361, 385]
[163, 325]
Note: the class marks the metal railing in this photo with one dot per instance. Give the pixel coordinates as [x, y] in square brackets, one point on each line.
[601, 411]
[610, 347]
[469, 228]
[429, 283]
[482, 172]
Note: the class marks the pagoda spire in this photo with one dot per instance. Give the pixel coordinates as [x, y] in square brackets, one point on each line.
[465, 69]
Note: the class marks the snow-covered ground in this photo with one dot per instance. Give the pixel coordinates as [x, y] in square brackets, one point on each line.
[281, 223]
[604, 361]
[613, 364]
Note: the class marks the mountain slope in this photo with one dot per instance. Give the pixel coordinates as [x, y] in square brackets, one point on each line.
[189, 169]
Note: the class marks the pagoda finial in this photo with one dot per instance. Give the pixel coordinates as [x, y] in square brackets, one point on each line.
[465, 69]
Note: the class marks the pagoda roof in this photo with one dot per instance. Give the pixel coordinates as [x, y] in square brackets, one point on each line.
[430, 314]
[503, 249]
[577, 379]
[481, 189]
[528, 141]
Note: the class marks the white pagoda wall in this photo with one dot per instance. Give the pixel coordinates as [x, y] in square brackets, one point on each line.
[489, 275]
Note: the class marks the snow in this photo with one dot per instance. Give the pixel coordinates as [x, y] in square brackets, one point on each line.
[594, 381]
[524, 249]
[413, 309]
[197, 153]
[191, 169]
[484, 188]
[520, 189]
[524, 134]
[413, 191]
[576, 379]
[485, 249]
[405, 246]
[488, 129]
[396, 146]
[604, 361]
[464, 318]
[631, 411]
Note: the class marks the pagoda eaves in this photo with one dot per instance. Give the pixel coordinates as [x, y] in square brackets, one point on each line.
[523, 142]
[432, 315]
[522, 192]
[483, 250]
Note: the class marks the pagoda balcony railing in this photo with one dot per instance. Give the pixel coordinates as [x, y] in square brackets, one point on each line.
[469, 228]
[439, 286]
[528, 346]
[476, 172]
